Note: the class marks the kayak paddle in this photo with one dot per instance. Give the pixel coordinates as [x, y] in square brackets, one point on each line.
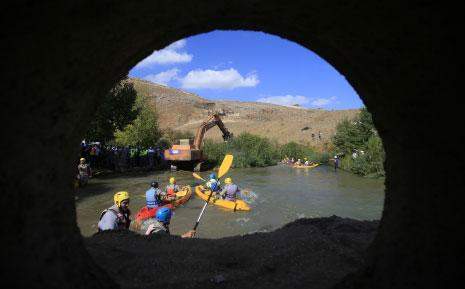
[198, 177]
[225, 165]
[224, 168]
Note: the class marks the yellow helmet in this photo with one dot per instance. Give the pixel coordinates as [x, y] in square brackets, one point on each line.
[82, 160]
[119, 197]
[228, 181]
[172, 180]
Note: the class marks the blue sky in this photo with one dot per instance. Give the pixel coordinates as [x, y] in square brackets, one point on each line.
[249, 66]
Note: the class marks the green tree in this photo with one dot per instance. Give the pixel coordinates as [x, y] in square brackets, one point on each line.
[360, 135]
[143, 131]
[354, 135]
[115, 112]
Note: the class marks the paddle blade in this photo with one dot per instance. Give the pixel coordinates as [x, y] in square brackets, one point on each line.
[225, 165]
[198, 177]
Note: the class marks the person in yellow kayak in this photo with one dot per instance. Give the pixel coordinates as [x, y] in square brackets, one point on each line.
[213, 184]
[171, 190]
[160, 225]
[230, 190]
[117, 216]
[305, 162]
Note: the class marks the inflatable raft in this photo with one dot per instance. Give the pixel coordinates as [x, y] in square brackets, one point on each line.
[305, 167]
[238, 205]
[181, 197]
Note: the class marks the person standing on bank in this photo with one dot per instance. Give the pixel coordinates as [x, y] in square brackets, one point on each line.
[84, 172]
[336, 162]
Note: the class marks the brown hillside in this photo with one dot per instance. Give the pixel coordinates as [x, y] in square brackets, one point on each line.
[185, 111]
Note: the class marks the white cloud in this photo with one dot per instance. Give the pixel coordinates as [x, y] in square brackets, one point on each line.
[163, 77]
[286, 100]
[177, 45]
[168, 55]
[323, 101]
[217, 79]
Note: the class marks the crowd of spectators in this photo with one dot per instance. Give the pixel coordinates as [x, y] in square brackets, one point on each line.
[121, 159]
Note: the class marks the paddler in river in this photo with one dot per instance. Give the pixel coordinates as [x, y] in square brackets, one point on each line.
[161, 224]
[308, 163]
[117, 216]
[171, 190]
[230, 190]
[213, 184]
[154, 196]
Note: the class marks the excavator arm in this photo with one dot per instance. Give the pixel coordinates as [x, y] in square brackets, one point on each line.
[208, 124]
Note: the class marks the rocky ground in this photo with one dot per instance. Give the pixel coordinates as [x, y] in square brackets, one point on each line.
[180, 110]
[318, 255]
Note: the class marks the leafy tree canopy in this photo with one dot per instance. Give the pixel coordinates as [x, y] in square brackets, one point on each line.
[115, 112]
[143, 131]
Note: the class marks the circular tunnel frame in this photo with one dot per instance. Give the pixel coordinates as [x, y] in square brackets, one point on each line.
[61, 56]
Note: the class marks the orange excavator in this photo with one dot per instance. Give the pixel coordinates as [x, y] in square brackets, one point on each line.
[188, 153]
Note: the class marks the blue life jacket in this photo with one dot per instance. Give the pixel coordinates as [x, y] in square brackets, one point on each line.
[152, 198]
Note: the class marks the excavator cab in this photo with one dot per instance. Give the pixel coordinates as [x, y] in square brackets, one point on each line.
[188, 153]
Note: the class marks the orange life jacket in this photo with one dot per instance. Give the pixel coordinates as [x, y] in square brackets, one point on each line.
[170, 192]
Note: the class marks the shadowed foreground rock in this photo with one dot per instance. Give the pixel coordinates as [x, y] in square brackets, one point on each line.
[316, 253]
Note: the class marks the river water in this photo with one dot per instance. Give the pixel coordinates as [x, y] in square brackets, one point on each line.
[279, 195]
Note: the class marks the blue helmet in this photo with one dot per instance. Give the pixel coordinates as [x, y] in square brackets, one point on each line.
[212, 176]
[164, 215]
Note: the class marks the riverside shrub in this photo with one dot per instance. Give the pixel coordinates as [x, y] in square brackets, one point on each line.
[254, 151]
[249, 151]
[357, 136]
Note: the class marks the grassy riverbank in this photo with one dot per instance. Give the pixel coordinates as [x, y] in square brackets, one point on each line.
[254, 151]
[356, 142]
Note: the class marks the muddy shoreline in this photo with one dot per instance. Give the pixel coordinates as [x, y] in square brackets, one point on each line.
[311, 253]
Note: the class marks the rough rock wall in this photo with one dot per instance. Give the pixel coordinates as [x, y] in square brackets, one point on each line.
[59, 56]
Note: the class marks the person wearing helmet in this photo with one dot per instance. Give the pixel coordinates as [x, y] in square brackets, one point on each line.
[117, 216]
[154, 196]
[213, 184]
[161, 224]
[230, 190]
[171, 190]
[84, 172]
[307, 162]
[336, 162]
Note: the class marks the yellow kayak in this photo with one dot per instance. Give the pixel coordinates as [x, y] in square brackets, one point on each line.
[306, 167]
[238, 205]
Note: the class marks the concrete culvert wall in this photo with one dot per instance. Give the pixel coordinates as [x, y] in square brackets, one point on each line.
[59, 56]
